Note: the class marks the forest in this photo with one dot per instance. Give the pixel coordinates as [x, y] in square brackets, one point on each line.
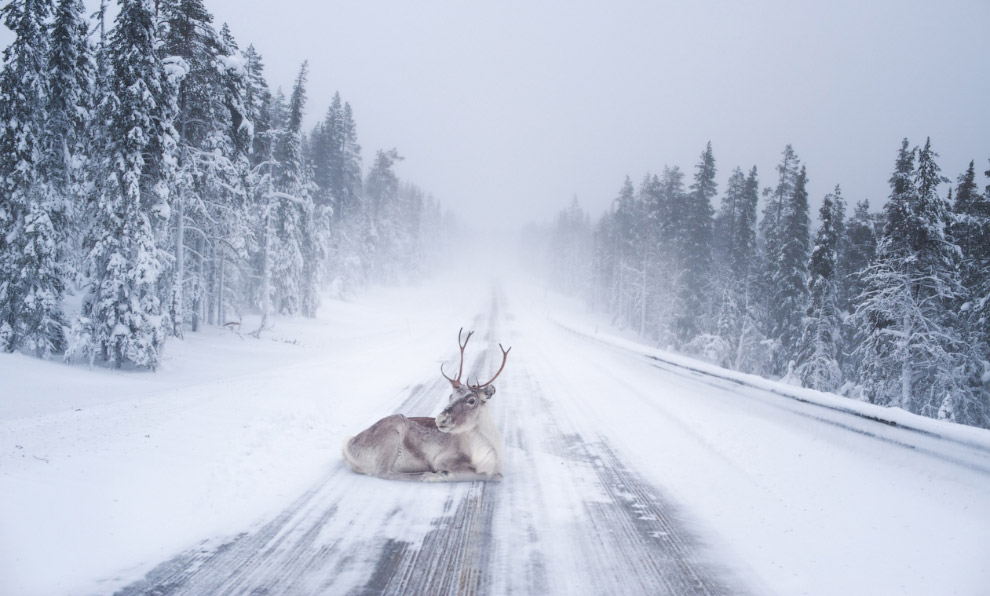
[152, 177]
[150, 170]
[892, 308]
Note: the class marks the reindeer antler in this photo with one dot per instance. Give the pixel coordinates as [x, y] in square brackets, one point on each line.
[457, 382]
[505, 356]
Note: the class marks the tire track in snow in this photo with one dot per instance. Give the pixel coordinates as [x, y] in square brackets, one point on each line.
[330, 540]
[570, 517]
[577, 519]
[626, 536]
[453, 558]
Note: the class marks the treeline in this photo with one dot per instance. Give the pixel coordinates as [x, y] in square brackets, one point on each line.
[891, 308]
[151, 164]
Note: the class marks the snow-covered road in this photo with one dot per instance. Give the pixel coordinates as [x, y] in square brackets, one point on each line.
[570, 517]
[625, 474]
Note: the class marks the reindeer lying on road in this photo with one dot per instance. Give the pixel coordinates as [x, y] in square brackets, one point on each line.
[462, 443]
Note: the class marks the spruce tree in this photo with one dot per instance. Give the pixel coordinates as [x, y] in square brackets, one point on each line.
[694, 248]
[189, 45]
[604, 264]
[750, 349]
[790, 291]
[735, 239]
[628, 214]
[125, 260]
[725, 241]
[861, 248]
[820, 344]
[230, 214]
[33, 212]
[771, 222]
[208, 193]
[726, 256]
[913, 354]
[295, 248]
[381, 232]
[971, 231]
[670, 241]
[774, 317]
[349, 187]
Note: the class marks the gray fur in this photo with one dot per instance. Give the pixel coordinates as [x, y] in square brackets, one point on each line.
[461, 444]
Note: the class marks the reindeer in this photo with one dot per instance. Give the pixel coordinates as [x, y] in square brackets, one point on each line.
[460, 444]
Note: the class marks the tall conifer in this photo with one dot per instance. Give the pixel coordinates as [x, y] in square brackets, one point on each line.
[125, 259]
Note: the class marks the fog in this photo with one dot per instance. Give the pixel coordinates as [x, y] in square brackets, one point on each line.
[505, 111]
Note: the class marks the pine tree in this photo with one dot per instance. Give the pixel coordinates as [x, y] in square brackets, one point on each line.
[861, 248]
[774, 316]
[735, 242]
[603, 265]
[725, 260]
[791, 289]
[209, 183]
[726, 243]
[617, 242]
[913, 355]
[230, 215]
[70, 102]
[349, 187]
[570, 249]
[694, 248]
[294, 252]
[125, 261]
[33, 213]
[750, 347]
[819, 347]
[381, 232]
[666, 244]
[319, 154]
[971, 231]
[771, 222]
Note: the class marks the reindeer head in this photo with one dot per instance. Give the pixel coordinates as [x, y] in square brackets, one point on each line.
[466, 401]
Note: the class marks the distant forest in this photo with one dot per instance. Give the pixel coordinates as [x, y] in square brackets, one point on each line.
[890, 308]
[150, 164]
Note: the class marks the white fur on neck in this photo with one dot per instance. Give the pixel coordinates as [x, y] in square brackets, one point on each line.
[484, 445]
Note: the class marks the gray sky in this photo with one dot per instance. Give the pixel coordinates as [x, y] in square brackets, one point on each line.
[505, 110]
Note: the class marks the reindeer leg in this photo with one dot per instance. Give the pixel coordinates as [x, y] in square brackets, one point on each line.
[415, 476]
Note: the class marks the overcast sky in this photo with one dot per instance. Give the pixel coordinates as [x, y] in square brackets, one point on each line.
[505, 110]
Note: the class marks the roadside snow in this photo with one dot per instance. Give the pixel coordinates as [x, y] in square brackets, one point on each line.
[102, 471]
[106, 474]
[810, 500]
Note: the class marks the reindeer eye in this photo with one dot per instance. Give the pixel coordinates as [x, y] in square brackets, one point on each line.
[472, 401]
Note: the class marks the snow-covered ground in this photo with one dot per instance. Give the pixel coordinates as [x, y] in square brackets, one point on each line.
[627, 470]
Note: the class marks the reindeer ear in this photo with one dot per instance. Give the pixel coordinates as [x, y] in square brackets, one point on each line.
[488, 392]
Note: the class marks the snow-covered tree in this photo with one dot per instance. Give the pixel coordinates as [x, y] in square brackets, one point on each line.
[36, 170]
[736, 272]
[295, 247]
[771, 222]
[382, 239]
[971, 231]
[570, 250]
[209, 223]
[694, 232]
[125, 261]
[791, 287]
[859, 254]
[820, 344]
[913, 354]
[785, 237]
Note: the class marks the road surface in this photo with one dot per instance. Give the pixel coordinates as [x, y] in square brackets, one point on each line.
[624, 475]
